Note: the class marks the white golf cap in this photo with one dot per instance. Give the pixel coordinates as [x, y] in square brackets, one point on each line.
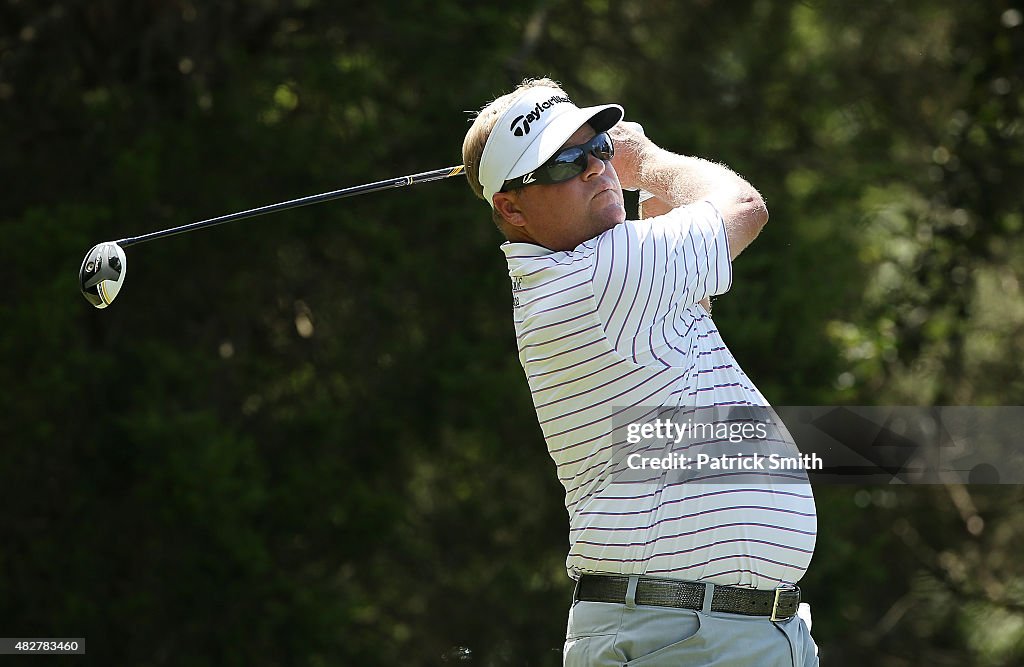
[532, 130]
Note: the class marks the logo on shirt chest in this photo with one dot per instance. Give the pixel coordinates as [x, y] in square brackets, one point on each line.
[517, 286]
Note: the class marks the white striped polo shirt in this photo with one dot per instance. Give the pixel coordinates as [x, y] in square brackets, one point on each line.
[616, 324]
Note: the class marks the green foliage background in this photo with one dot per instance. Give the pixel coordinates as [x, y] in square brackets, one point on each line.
[306, 439]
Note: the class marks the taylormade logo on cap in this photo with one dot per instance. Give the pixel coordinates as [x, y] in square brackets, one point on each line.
[531, 130]
[521, 124]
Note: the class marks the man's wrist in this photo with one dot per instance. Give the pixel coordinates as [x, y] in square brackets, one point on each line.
[651, 169]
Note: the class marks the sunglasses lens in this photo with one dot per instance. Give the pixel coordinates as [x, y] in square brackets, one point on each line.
[573, 161]
[567, 164]
[602, 147]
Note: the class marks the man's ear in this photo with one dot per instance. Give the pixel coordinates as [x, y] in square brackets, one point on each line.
[507, 206]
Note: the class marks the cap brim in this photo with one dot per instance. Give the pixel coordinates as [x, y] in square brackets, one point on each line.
[601, 118]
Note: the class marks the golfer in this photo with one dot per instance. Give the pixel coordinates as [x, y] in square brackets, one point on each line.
[613, 315]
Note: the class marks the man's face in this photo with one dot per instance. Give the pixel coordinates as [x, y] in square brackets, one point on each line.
[560, 216]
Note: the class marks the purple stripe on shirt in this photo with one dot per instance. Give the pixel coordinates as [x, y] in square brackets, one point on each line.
[699, 547]
[585, 329]
[585, 392]
[597, 263]
[663, 270]
[692, 272]
[624, 274]
[643, 559]
[534, 313]
[718, 277]
[635, 334]
[720, 386]
[532, 376]
[709, 493]
[537, 360]
[705, 258]
[606, 433]
[632, 303]
[528, 332]
[608, 400]
[580, 257]
[551, 294]
[578, 378]
[554, 280]
[775, 475]
[578, 443]
[688, 533]
[731, 508]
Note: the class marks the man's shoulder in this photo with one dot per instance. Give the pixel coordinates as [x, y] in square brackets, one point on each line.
[536, 257]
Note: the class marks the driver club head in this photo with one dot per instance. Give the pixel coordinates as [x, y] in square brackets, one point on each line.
[102, 273]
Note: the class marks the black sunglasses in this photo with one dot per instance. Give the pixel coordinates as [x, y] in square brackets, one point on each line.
[567, 163]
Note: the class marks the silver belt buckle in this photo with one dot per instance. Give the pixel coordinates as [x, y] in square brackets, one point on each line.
[775, 604]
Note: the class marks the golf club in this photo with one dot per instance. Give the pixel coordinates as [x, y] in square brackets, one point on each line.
[103, 269]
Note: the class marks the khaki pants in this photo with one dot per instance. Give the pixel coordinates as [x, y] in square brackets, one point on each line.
[603, 634]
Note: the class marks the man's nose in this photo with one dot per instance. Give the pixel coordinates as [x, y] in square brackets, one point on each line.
[595, 167]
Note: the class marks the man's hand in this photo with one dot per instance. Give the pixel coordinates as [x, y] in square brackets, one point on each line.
[632, 148]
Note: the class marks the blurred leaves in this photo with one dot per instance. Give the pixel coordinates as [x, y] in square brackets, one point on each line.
[306, 439]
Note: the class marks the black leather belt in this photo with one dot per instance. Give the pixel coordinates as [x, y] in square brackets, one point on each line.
[777, 604]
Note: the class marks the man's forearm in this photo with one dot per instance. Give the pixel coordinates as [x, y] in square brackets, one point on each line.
[678, 180]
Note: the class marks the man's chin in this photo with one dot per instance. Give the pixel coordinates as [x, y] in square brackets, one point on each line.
[609, 218]
[614, 210]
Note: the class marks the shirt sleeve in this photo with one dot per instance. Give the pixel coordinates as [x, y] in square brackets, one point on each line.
[647, 270]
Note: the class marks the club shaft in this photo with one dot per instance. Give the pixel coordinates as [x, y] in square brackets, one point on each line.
[390, 183]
